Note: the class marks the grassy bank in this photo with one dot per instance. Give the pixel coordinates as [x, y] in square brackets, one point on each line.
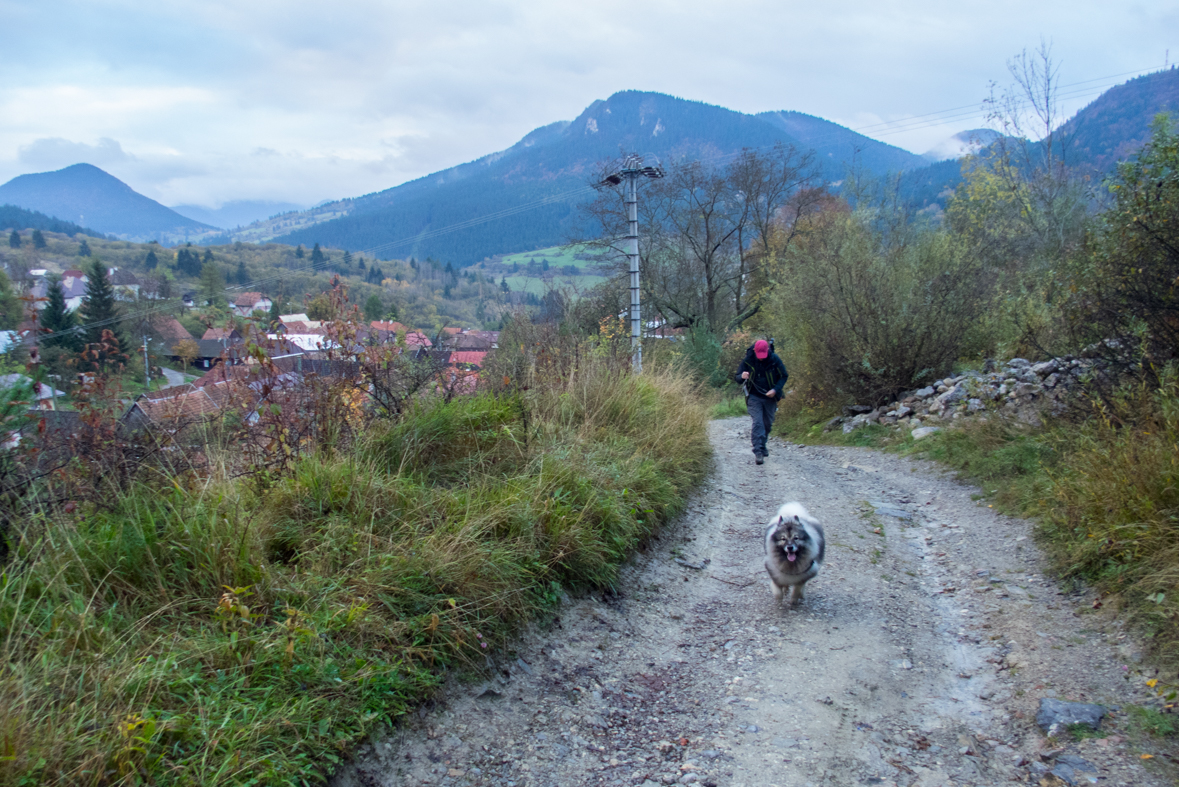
[1104, 490]
[211, 631]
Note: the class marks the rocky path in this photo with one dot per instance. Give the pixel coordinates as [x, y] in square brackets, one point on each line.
[920, 656]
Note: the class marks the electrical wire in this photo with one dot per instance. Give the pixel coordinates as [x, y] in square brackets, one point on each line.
[884, 128]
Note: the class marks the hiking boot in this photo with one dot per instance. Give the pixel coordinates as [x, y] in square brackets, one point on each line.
[759, 458]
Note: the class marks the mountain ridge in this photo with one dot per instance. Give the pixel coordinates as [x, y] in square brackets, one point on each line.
[87, 195]
[553, 162]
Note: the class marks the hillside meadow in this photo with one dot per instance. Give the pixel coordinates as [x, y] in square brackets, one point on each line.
[216, 621]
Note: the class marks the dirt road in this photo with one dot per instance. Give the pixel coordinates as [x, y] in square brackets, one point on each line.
[919, 657]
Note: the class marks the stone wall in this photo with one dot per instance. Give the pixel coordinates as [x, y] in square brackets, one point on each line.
[1019, 389]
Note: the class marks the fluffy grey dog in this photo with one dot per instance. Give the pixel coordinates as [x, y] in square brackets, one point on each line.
[794, 550]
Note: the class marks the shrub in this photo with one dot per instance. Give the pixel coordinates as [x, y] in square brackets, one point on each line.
[1127, 287]
[872, 311]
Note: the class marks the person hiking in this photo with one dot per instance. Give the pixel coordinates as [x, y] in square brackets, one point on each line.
[762, 375]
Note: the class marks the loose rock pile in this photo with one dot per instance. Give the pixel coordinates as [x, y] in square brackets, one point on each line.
[1020, 389]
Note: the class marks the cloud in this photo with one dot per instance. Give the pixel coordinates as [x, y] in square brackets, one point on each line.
[55, 153]
[297, 100]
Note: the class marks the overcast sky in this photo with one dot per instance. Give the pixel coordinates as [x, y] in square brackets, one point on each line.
[206, 101]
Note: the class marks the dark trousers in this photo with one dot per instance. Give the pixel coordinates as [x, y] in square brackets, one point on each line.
[762, 411]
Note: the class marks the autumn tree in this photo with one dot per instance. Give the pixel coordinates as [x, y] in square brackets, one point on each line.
[705, 232]
[1125, 288]
[187, 351]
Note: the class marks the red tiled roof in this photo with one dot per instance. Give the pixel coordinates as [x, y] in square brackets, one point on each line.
[396, 327]
[418, 338]
[248, 299]
[192, 404]
[217, 334]
[170, 330]
[472, 357]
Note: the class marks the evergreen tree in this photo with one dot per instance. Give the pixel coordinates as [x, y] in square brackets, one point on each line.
[100, 311]
[12, 309]
[446, 291]
[188, 263]
[242, 276]
[39, 240]
[347, 259]
[84, 249]
[299, 252]
[503, 284]
[151, 260]
[275, 311]
[360, 263]
[317, 258]
[14, 240]
[57, 321]
[373, 308]
[212, 284]
[208, 255]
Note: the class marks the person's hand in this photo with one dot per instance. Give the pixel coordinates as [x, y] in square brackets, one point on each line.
[744, 375]
[771, 393]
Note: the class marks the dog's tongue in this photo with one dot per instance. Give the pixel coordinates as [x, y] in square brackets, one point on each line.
[791, 556]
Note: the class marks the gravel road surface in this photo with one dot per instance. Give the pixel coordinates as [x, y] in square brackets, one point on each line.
[919, 657]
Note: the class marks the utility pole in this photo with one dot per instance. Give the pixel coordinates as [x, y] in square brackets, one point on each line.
[630, 171]
[146, 367]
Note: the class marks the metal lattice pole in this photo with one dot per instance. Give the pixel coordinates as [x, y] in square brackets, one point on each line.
[632, 251]
[631, 170]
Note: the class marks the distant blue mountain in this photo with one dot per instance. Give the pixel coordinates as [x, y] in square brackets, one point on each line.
[237, 213]
[839, 147]
[86, 195]
[1108, 130]
[532, 188]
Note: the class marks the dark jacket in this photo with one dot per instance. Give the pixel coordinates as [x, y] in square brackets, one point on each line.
[763, 375]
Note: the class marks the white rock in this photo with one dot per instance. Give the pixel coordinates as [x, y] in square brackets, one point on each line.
[925, 431]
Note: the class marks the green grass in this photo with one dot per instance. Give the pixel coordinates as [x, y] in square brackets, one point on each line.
[558, 256]
[538, 286]
[729, 407]
[1152, 722]
[210, 631]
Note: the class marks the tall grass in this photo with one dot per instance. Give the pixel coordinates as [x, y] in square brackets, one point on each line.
[1113, 511]
[224, 633]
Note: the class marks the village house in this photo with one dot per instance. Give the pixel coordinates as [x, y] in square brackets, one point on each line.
[249, 302]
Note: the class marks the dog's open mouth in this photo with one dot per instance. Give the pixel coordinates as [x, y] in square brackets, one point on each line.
[791, 554]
